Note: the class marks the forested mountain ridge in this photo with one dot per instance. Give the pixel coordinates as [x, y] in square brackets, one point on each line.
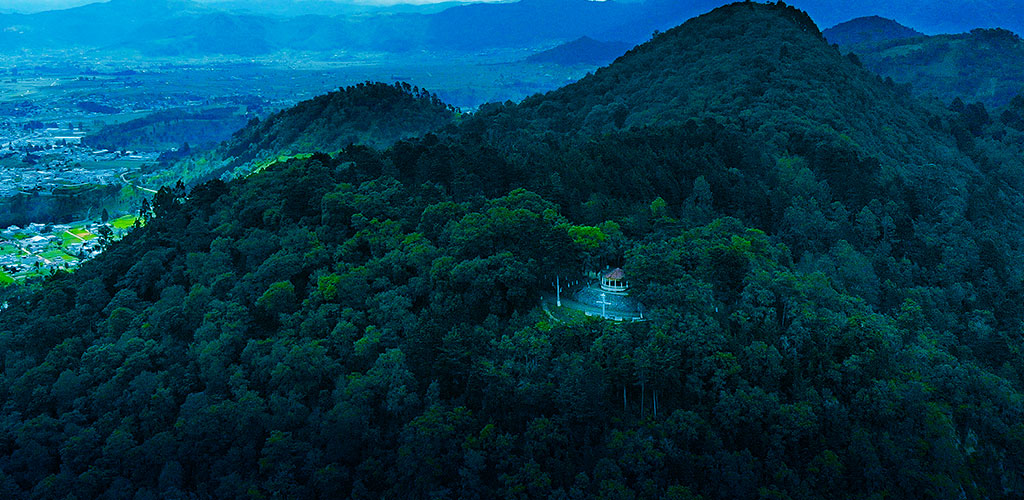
[834, 310]
[370, 114]
[715, 66]
[789, 91]
[165, 130]
[985, 65]
[584, 50]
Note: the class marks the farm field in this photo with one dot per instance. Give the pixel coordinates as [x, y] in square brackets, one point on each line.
[124, 222]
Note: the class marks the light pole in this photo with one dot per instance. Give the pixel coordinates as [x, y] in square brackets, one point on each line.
[558, 290]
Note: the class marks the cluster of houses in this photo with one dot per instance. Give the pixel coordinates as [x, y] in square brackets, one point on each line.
[39, 248]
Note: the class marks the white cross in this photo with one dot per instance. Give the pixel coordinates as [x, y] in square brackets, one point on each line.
[604, 303]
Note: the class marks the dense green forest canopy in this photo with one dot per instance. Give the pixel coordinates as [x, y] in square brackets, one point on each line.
[833, 271]
[985, 65]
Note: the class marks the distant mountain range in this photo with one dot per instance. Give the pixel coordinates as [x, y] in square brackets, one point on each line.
[185, 28]
[985, 65]
[326, 7]
[240, 27]
[275, 7]
[924, 15]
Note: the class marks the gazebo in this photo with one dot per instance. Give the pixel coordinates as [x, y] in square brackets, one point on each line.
[609, 298]
[614, 281]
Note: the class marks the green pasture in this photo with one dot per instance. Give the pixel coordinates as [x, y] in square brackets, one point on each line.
[55, 254]
[124, 222]
[280, 159]
[8, 249]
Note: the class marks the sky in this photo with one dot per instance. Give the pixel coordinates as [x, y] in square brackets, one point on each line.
[41, 5]
[38, 5]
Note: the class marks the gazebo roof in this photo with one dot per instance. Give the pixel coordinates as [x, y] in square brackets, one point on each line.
[615, 274]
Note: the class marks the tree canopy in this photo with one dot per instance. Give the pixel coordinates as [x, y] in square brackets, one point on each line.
[831, 266]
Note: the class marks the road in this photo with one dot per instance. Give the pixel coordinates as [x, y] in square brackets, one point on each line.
[136, 186]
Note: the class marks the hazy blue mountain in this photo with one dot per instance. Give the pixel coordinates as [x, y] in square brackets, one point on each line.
[470, 26]
[215, 32]
[584, 50]
[923, 15]
[525, 21]
[182, 27]
[869, 29]
[325, 7]
[93, 25]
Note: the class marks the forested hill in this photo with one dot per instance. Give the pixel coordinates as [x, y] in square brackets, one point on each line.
[764, 71]
[369, 114]
[584, 50]
[869, 30]
[985, 65]
[165, 130]
[833, 300]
